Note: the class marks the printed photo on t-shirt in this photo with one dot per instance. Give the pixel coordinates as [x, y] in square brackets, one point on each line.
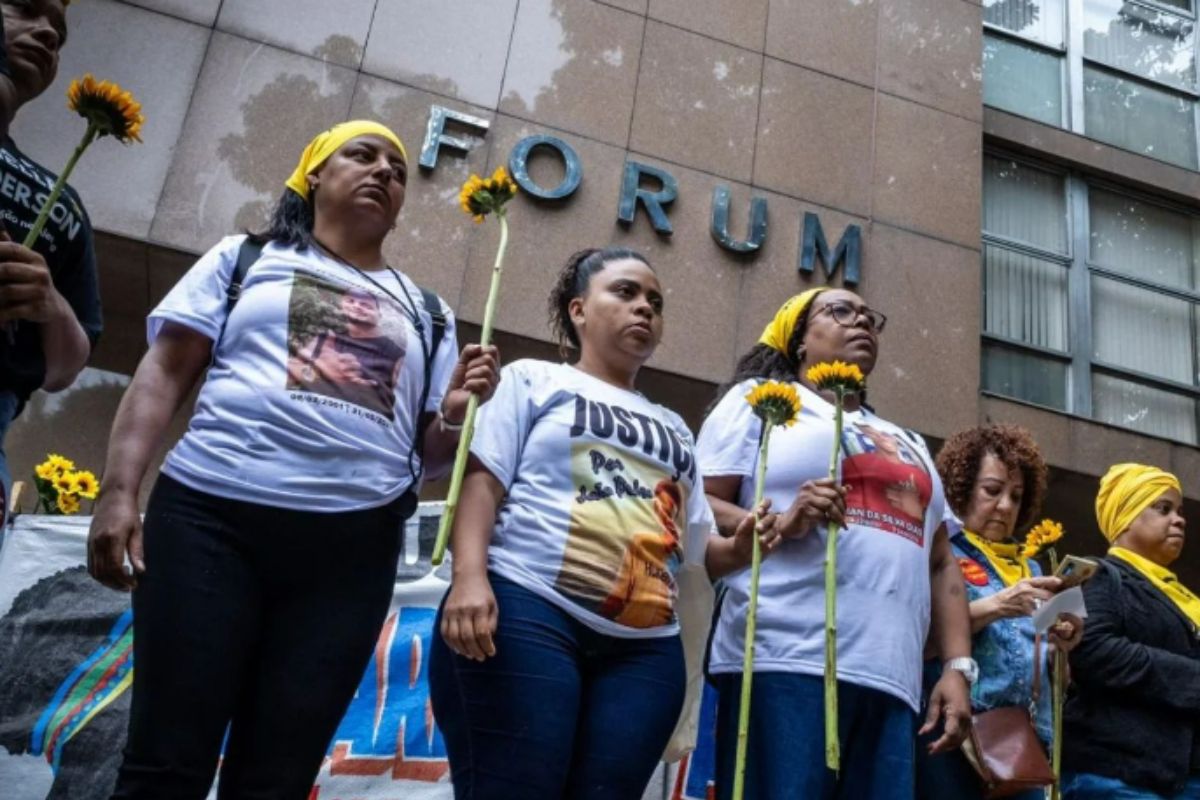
[890, 486]
[346, 344]
[624, 543]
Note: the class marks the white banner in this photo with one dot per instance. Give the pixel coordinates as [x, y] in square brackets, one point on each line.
[66, 665]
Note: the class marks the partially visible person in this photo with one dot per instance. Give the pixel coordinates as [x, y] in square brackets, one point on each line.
[49, 298]
[559, 671]
[1132, 722]
[897, 580]
[266, 562]
[995, 479]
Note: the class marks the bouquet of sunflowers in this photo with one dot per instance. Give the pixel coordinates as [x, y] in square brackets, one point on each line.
[60, 486]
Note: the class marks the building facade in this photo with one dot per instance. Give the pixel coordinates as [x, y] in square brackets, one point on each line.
[1014, 183]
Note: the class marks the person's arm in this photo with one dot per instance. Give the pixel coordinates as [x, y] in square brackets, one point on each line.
[726, 554]
[1107, 659]
[1019, 600]
[469, 615]
[477, 372]
[164, 378]
[950, 636]
[27, 292]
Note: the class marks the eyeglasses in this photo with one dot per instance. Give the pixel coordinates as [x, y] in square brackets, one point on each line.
[847, 316]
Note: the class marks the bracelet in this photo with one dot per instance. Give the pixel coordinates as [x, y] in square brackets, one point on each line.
[446, 426]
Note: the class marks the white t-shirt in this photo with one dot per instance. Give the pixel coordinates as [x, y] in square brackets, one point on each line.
[893, 510]
[311, 399]
[603, 504]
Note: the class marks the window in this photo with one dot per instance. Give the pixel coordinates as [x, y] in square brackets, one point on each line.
[1091, 299]
[1120, 71]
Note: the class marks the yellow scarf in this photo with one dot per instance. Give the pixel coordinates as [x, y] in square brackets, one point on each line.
[327, 143]
[1165, 581]
[1126, 490]
[779, 330]
[1005, 557]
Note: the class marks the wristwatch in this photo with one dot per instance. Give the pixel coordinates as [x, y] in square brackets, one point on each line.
[967, 666]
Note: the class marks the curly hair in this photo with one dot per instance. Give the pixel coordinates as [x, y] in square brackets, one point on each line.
[960, 458]
[572, 282]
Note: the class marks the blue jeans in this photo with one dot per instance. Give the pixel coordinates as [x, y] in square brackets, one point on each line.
[560, 711]
[786, 752]
[1087, 786]
[8, 409]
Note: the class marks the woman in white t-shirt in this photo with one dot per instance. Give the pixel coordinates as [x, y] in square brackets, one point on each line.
[559, 672]
[265, 564]
[895, 573]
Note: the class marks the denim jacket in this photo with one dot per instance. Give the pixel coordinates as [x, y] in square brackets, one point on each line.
[1003, 650]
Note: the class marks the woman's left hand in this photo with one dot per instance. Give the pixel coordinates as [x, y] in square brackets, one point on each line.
[1067, 632]
[477, 372]
[950, 701]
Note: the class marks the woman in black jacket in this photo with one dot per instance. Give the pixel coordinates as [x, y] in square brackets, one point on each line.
[1132, 723]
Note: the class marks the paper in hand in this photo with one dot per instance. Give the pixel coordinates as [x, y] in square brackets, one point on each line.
[1069, 601]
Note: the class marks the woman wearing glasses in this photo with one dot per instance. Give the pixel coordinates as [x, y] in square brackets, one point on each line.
[895, 573]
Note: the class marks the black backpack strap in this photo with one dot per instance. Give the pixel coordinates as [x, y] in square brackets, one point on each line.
[433, 306]
[248, 253]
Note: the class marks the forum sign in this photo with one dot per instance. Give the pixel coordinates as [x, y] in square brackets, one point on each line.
[654, 190]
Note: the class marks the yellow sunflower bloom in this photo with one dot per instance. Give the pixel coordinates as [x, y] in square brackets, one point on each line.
[1041, 536]
[59, 463]
[68, 503]
[65, 483]
[85, 485]
[775, 403]
[837, 375]
[479, 197]
[107, 107]
[45, 471]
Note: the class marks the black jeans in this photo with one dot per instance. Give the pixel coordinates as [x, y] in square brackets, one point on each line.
[256, 620]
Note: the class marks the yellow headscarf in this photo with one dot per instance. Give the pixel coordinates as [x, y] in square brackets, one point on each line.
[1127, 490]
[326, 144]
[779, 330]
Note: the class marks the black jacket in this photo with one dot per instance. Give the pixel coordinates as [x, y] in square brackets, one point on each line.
[1133, 712]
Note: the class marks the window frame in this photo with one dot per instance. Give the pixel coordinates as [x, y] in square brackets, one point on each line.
[1079, 355]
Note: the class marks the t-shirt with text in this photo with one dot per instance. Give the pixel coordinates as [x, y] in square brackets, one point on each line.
[894, 507]
[311, 399]
[66, 244]
[603, 503]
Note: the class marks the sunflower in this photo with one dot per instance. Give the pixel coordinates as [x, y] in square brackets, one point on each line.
[108, 108]
[59, 464]
[1041, 536]
[68, 503]
[481, 196]
[65, 483]
[45, 471]
[85, 485]
[775, 403]
[837, 375]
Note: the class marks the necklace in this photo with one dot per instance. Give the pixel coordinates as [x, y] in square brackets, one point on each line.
[409, 308]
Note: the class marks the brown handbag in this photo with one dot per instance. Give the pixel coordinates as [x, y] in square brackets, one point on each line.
[1004, 747]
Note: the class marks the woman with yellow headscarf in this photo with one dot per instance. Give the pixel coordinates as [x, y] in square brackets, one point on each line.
[1132, 723]
[895, 572]
[265, 564]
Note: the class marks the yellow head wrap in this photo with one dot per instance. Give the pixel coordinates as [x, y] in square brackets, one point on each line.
[326, 144]
[779, 331]
[1127, 490]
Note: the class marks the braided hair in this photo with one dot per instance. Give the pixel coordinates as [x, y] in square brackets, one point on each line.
[573, 281]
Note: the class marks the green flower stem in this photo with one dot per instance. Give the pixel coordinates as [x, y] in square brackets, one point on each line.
[743, 735]
[1060, 686]
[833, 754]
[1058, 695]
[89, 136]
[468, 431]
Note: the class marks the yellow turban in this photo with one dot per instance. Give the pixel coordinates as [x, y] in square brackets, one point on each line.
[326, 144]
[1127, 490]
[779, 331]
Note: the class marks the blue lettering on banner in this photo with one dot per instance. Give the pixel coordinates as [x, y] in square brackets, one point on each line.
[389, 726]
